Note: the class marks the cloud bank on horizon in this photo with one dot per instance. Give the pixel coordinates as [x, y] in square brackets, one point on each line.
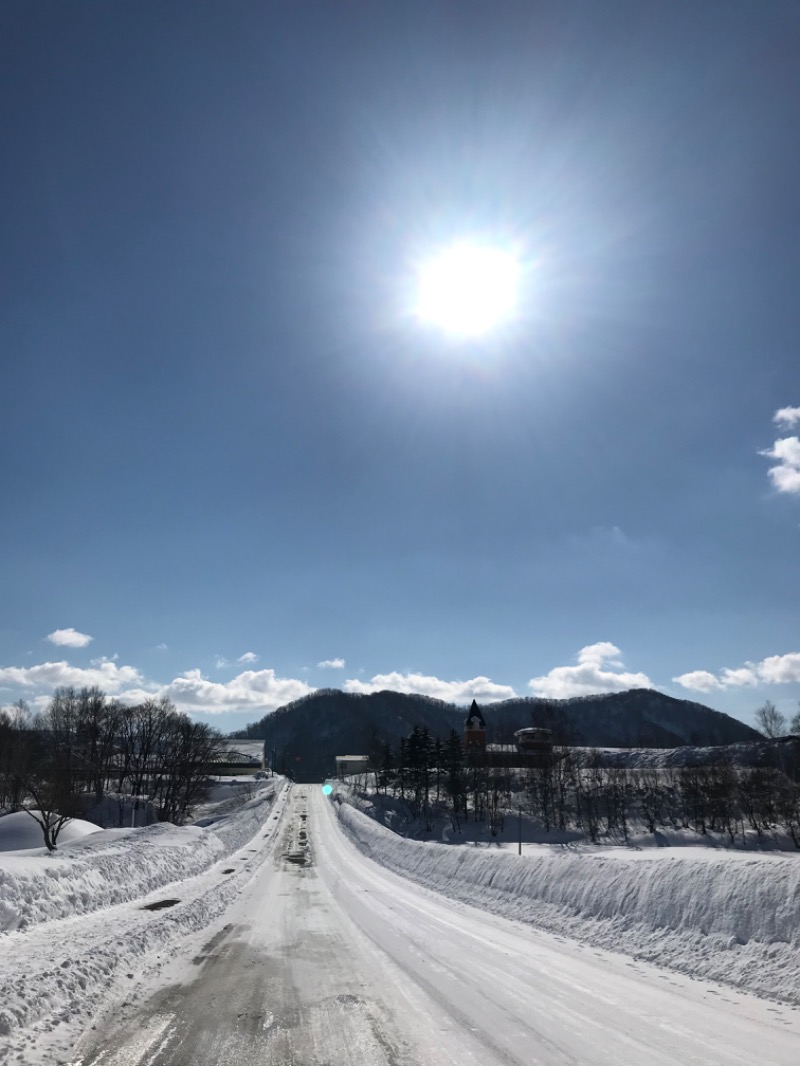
[597, 668]
[425, 685]
[104, 673]
[774, 670]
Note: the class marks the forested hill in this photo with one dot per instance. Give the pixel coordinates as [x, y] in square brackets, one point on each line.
[317, 728]
[640, 717]
[327, 723]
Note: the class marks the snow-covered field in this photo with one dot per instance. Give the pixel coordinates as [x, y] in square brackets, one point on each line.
[75, 924]
[733, 917]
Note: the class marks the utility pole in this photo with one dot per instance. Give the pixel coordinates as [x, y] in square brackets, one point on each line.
[519, 822]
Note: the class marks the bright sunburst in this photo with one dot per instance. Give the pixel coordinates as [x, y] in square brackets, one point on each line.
[468, 289]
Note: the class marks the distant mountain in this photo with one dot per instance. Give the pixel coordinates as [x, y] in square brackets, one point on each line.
[640, 717]
[309, 733]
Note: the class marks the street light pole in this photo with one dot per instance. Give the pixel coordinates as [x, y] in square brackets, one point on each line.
[519, 823]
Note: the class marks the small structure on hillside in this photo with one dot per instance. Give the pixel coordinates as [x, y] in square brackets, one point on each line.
[534, 740]
[533, 747]
[348, 765]
[238, 756]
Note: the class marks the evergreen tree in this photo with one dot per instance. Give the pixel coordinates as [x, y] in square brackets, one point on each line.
[385, 769]
[455, 778]
[438, 766]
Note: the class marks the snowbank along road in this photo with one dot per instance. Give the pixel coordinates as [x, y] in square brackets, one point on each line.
[328, 959]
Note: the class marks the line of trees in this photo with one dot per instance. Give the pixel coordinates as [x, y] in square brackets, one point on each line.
[580, 793]
[85, 747]
[429, 775]
[574, 791]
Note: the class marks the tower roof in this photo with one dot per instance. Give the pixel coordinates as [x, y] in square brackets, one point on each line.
[474, 719]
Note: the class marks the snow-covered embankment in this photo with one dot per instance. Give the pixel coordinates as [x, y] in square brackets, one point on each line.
[79, 923]
[113, 866]
[730, 919]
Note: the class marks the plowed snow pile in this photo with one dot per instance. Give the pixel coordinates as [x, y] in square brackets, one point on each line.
[60, 956]
[84, 873]
[733, 919]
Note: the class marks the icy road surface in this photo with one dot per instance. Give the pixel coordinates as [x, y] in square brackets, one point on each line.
[328, 959]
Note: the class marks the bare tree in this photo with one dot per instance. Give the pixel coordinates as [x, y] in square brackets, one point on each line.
[53, 797]
[789, 809]
[97, 728]
[541, 789]
[187, 750]
[649, 795]
[143, 736]
[52, 780]
[16, 754]
[770, 721]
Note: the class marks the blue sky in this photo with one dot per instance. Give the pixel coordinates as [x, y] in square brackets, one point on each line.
[235, 459]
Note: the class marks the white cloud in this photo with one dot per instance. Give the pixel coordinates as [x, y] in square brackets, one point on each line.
[698, 681]
[603, 651]
[786, 450]
[104, 673]
[250, 690]
[787, 416]
[132, 696]
[451, 691]
[786, 479]
[249, 657]
[780, 669]
[162, 647]
[743, 676]
[785, 476]
[104, 659]
[69, 638]
[332, 664]
[599, 669]
[774, 670]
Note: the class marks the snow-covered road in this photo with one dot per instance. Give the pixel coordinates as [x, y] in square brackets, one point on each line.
[338, 961]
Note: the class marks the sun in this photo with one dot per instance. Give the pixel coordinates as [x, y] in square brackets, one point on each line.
[468, 289]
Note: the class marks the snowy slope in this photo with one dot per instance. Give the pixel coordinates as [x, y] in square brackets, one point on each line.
[84, 874]
[780, 752]
[19, 832]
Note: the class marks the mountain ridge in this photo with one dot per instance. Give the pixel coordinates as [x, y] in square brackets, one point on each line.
[307, 734]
